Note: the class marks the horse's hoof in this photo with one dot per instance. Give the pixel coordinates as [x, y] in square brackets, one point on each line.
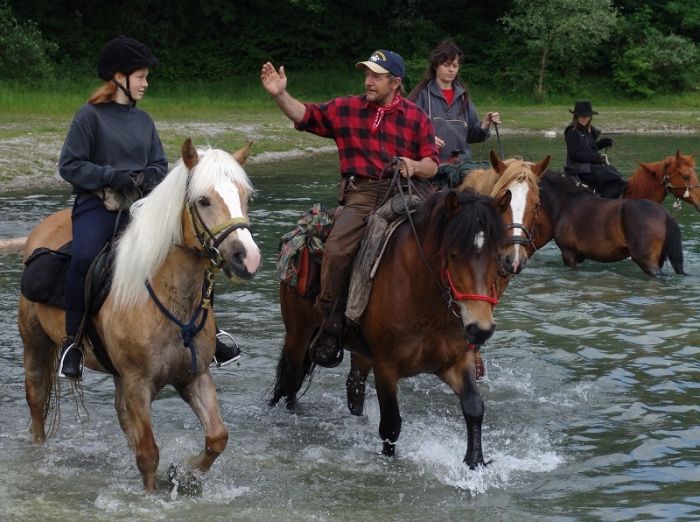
[478, 465]
[184, 481]
[389, 449]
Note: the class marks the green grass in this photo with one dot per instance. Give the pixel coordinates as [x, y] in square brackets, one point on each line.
[226, 114]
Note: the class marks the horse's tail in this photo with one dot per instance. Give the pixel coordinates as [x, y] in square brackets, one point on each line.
[673, 246]
[294, 365]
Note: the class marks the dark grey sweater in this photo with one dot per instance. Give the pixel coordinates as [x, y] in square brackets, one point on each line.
[111, 137]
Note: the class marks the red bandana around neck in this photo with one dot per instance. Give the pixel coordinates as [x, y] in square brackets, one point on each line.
[383, 110]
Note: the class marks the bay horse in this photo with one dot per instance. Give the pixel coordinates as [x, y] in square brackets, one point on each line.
[586, 226]
[193, 223]
[518, 177]
[429, 309]
[674, 175]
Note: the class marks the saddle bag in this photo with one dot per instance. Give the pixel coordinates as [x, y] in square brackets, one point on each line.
[44, 275]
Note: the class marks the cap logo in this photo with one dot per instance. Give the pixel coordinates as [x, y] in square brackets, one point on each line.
[378, 56]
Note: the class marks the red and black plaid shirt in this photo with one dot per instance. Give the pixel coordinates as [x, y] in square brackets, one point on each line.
[404, 131]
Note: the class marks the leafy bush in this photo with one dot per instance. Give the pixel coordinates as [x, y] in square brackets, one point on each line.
[24, 54]
[657, 64]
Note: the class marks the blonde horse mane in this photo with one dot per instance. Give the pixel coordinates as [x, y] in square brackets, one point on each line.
[156, 221]
[518, 170]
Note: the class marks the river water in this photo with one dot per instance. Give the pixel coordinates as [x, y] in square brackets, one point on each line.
[592, 397]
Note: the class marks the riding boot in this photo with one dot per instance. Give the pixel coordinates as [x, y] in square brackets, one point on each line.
[70, 365]
[326, 348]
[227, 350]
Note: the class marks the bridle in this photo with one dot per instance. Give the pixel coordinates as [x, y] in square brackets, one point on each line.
[670, 188]
[211, 238]
[451, 294]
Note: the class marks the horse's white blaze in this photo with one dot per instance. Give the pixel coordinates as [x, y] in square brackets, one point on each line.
[230, 195]
[479, 240]
[518, 203]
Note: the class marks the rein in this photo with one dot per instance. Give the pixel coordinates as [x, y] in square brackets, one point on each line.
[447, 287]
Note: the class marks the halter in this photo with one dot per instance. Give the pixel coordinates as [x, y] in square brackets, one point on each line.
[454, 295]
[208, 237]
[666, 182]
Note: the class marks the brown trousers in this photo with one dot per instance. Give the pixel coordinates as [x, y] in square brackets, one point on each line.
[359, 199]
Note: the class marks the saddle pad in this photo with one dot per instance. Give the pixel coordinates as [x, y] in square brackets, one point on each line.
[381, 225]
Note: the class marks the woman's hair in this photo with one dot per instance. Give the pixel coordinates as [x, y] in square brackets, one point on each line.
[445, 51]
[574, 122]
[104, 94]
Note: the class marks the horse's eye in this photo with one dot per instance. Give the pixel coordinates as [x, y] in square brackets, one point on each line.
[686, 177]
[204, 201]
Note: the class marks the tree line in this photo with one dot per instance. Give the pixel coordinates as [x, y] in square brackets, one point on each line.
[638, 47]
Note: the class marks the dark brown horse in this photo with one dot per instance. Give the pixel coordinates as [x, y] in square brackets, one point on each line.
[429, 308]
[674, 175]
[586, 226]
[196, 220]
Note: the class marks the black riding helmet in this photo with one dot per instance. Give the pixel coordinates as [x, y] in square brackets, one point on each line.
[123, 54]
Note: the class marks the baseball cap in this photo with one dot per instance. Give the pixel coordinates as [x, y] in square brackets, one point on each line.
[383, 61]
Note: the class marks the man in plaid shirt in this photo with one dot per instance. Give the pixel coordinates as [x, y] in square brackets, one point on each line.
[370, 130]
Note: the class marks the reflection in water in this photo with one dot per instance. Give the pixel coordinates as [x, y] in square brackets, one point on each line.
[591, 400]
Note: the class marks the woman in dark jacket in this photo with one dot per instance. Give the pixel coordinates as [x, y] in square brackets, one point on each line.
[583, 157]
[447, 102]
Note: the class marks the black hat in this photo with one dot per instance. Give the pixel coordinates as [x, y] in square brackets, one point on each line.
[123, 54]
[583, 108]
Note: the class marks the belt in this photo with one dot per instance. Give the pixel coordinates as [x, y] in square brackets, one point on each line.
[360, 180]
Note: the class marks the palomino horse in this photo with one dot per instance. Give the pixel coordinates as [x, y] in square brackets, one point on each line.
[521, 178]
[674, 175]
[430, 306]
[193, 223]
[586, 226]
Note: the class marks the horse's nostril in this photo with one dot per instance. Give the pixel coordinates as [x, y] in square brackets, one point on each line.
[477, 335]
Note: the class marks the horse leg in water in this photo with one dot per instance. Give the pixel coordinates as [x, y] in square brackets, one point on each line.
[132, 400]
[200, 394]
[39, 367]
[461, 377]
[294, 364]
[356, 383]
[385, 381]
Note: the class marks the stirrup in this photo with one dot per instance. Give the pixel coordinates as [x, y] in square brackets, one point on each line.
[340, 352]
[65, 353]
[228, 343]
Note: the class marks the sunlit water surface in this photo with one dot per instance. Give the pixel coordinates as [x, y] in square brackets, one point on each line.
[592, 398]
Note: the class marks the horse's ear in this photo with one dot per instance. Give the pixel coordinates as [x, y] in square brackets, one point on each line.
[242, 154]
[540, 168]
[496, 163]
[452, 204]
[501, 204]
[679, 157]
[189, 154]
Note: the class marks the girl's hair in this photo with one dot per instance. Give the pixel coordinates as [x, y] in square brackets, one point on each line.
[574, 122]
[104, 94]
[445, 51]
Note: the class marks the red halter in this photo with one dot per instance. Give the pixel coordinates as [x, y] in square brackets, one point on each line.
[459, 296]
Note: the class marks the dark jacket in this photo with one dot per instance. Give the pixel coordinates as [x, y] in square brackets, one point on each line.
[581, 145]
[457, 127]
[111, 137]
